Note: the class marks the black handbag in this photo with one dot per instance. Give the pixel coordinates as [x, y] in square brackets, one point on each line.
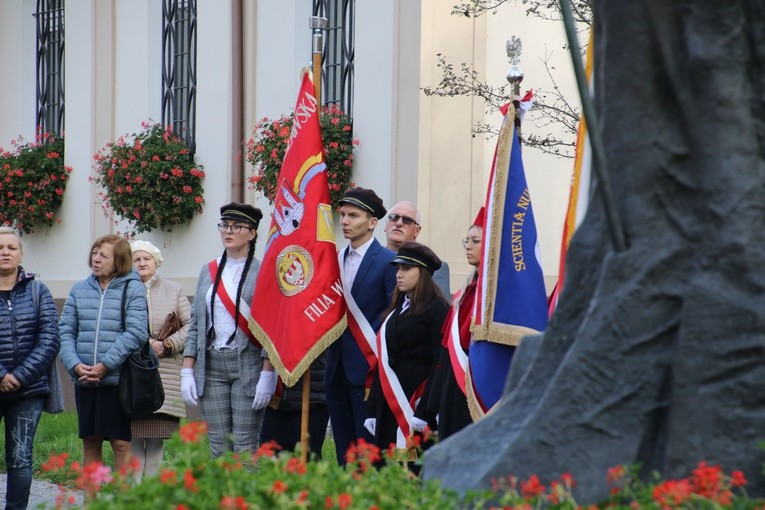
[141, 391]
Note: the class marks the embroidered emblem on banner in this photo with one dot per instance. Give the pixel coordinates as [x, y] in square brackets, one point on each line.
[288, 213]
[294, 270]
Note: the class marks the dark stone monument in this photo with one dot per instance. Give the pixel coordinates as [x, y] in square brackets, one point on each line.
[656, 354]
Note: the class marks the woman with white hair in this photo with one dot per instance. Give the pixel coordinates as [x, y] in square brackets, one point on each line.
[163, 297]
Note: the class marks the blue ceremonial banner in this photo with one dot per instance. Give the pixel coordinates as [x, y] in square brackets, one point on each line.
[511, 301]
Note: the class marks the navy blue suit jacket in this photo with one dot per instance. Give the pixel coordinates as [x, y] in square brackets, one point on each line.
[372, 289]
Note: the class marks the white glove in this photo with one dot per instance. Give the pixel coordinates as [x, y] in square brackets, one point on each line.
[370, 424]
[264, 390]
[188, 387]
[418, 424]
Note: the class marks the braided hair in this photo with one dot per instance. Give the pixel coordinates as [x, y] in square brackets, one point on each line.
[218, 274]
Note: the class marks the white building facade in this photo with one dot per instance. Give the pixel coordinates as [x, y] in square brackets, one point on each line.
[248, 61]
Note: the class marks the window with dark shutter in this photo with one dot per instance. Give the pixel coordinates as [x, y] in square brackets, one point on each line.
[50, 65]
[337, 60]
[179, 68]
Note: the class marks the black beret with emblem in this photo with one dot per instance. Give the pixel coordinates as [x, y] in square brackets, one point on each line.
[241, 212]
[416, 254]
[365, 199]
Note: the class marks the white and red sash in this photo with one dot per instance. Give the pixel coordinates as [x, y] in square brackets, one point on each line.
[226, 285]
[358, 324]
[457, 356]
[402, 408]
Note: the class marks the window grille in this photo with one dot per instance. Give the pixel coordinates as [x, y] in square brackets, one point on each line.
[179, 68]
[337, 58]
[50, 65]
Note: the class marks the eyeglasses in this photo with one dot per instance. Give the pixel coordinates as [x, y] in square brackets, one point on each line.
[406, 220]
[235, 229]
[475, 241]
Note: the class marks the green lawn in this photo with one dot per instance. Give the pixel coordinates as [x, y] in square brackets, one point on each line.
[57, 433]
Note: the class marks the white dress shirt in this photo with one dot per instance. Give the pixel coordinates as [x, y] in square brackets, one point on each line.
[353, 260]
[224, 323]
[405, 304]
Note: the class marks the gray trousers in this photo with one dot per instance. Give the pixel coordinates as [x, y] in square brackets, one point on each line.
[231, 422]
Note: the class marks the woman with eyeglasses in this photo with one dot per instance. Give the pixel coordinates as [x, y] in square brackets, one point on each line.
[448, 398]
[224, 369]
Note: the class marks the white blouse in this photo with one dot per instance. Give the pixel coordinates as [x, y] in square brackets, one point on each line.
[223, 324]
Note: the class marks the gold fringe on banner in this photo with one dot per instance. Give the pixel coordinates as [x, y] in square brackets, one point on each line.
[290, 378]
[491, 266]
[476, 412]
[473, 406]
[506, 334]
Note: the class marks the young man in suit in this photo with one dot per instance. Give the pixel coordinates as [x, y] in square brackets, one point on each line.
[368, 282]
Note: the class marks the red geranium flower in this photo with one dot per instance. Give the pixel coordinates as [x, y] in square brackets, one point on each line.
[193, 432]
[532, 487]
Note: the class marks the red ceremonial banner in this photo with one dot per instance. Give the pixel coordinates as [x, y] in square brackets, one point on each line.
[298, 308]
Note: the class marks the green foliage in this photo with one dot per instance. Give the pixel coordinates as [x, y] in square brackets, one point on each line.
[33, 179]
[149, 179]
[268, 479]
[265, 151]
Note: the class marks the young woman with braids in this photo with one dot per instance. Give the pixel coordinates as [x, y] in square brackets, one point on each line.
[223, 368]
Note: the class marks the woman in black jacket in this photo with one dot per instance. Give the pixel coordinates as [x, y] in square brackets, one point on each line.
[448, 398]
[29, 343]
[408, 345]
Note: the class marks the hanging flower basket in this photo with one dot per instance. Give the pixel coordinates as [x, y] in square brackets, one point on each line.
[32, 182]
[149, 179]
[265, 150]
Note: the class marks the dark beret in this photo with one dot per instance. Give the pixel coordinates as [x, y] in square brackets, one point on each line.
[416, 254]
[365, 199]
[241, 212]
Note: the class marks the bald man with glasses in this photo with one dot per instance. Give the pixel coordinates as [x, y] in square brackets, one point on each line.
[404, 224]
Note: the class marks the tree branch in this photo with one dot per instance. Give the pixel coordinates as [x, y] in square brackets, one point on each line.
[543, 9]
[551, 109]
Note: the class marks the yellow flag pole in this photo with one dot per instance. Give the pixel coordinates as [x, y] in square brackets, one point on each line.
[304, 436]
[316, 24]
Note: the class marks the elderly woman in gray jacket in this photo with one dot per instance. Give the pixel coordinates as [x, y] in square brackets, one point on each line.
[94, 345]
[223, 368]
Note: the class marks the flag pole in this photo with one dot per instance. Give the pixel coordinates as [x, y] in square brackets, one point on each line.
[515, 77]
[316, 24]
[599, 162]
